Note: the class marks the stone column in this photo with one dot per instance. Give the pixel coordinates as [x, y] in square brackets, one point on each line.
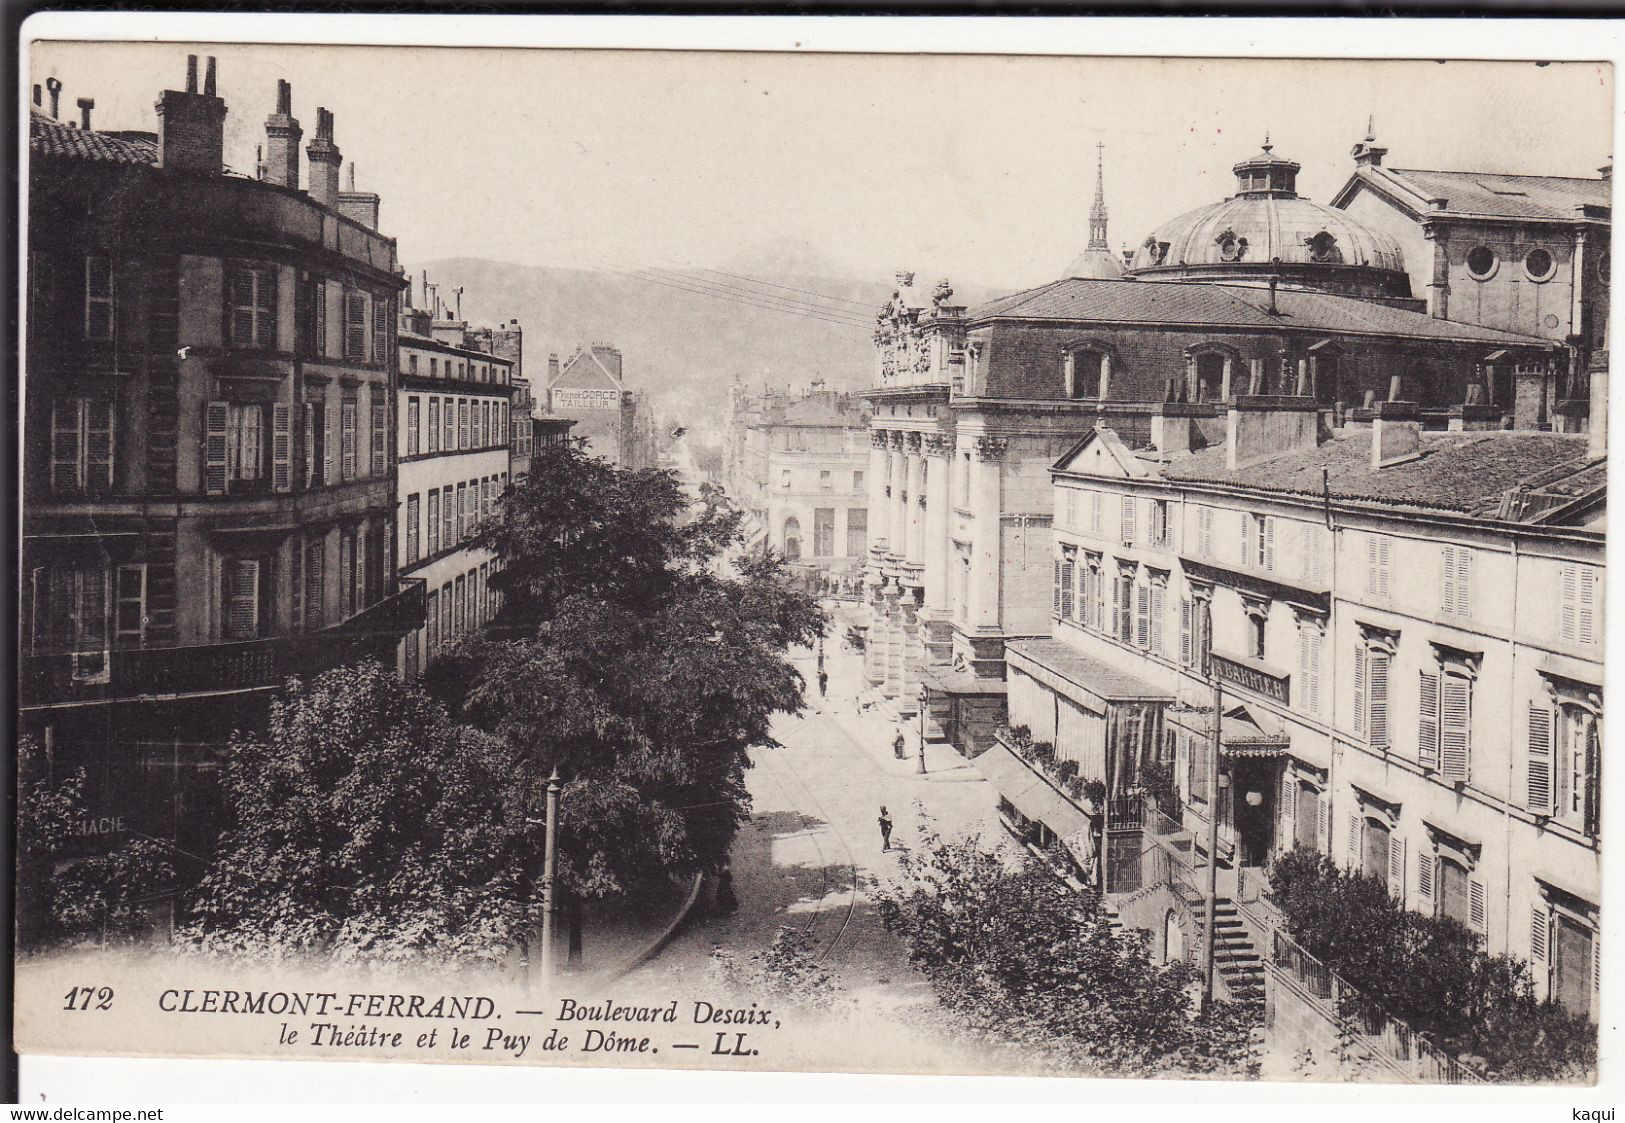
[912, 649]
[986, 544]
[897, 540]
[893, 684]
[913, 549]
[938, 498]
[1439, 287]
[1227, 384]
[878, 463]
[874, 652]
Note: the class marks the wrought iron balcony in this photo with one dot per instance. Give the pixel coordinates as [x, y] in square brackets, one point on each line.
[219, 668]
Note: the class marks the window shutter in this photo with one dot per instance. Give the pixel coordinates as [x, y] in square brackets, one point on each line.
[281, 447]
[98, 297]
[98, 444]
[1424, 875]
[1204, 522]
[1383, 546]
[310, 443]
[355, 326]
[1447, 570]
[1476, 910]
[241, 290]
[265, 280]
[1094, 511]
[243, 599]
[296, 585]
[315, 589]
[1464, 581]
[1378, 670]
[1427, 725]
[1569, 629]
[1588, 605]
[1055, 598]
[1539, 789]
[380, 431]
[347, 440]
[1158, 595]
[1186, 654]
[130, 607]
[1455, 732]
[215, 415]
[67, 420]
[1067, 577]
[1539, 929]
[1359, 689]
[1396, 869]
[1269, 544]
[1354, 842]
[319, 318]
[1288, 810]
[1323, 823]
[1128, 520]
[329, 419]
[346, 576]
[1142, 616]
[380, 330]
[1315, 642]
[1246, 521]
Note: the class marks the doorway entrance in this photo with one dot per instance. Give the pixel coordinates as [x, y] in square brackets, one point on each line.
[1254, 785]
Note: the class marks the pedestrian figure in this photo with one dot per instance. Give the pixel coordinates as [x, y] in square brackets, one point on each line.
[899, 747]
[823, 683]
[727, 902]
[885, 829]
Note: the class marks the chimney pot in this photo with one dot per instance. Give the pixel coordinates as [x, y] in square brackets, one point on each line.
[86, 104]
[208, 78]
[54, 86]
[284, 96]
[191, 74]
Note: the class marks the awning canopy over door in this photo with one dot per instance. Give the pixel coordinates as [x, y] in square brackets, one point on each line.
[1031, 793]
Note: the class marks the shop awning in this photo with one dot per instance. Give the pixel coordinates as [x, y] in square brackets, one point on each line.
[1032, 794]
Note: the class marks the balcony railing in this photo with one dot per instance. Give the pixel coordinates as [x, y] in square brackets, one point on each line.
[214, 668]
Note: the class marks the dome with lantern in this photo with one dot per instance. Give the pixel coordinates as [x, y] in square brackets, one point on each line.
[1267, 231]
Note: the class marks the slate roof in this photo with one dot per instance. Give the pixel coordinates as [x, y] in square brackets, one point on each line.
[820, 413]
[1506, 196]
[1110, 683]
[50, 137]
[1205, 304]
[1464, 473]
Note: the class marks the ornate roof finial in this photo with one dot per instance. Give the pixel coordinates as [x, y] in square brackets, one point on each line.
[1370, 128]
[1097, 213]
[1267, 145]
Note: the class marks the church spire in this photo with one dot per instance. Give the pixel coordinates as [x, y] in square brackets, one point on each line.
[1097, 213]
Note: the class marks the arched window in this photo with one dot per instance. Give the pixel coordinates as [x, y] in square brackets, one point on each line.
[1323, 249]
[1231, 246]
[1089, 368]
[792, 539]
[1209, 369]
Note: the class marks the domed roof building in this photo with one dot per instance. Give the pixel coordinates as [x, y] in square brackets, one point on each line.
[1097, 262]
[1267, 231]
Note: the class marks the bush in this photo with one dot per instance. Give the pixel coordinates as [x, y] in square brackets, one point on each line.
[1429, 972]
[1066, 771]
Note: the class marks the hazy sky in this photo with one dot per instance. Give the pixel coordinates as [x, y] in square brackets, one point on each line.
[981, 169]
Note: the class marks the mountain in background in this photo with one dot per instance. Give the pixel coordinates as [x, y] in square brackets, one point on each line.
[775, 315]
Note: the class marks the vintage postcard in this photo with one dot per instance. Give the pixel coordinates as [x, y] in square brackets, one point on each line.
[834, 562]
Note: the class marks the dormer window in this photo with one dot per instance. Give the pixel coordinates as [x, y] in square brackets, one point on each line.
[1157, 251]
[1323, 249]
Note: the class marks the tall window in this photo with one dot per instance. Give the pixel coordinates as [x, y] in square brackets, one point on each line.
[243, 595]
[315, 601]
[448, 435]
[434, 521]
[1445, 723]
[81, 445]
[245, 449]
[1377, 552]
[432, 626]
[70, 603]
[252, 299]
[355, 326]
[318, 319]
[460, 530]
[412, 421]
[1456, 581]
[412, 516]
[380, 438]
[1258, 548]
[462, 423]
[823, 531]
[1129, 506]
[1204, 525]
[98, 297]
[857, 479]
[1159, 523]
[1159, 598]
[479, 425]
[1577, 616]
[1371, 693]
[434, 424]
[857, 532]
[448, 517]
[1307, 687]
[1064, 607]
[347, 439]
[380, 330]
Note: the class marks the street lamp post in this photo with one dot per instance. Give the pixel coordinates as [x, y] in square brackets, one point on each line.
[1210, 896]
[549, 880]
[923, 696]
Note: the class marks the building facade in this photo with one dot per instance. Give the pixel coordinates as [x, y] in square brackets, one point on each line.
[798, 466]
[208, 479]
[616, 422]
[455, 449]
[1405, 629]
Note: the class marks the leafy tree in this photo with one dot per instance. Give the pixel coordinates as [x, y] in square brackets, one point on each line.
[64, 896]
[1429, 972]
[1018, 957]
[367, 824]
[787, 972]
[628, 657]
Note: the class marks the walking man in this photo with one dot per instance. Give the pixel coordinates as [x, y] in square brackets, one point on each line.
[899, 747]
[823, 683]
[885, 829]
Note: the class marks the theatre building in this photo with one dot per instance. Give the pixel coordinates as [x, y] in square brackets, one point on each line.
[207, 473]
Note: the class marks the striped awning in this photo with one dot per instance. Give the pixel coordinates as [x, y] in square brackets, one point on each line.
[1033, 795]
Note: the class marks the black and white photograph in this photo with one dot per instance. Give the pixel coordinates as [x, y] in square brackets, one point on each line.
[1045, 565]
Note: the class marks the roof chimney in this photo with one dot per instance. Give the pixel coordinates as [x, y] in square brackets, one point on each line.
[1597, 422]
[85, 104]
[359, 205]
[1259, 427]
[53, 86]
[1367, 153]
[191, 126]
[1606, 171]
[325, 158]
[282, 137]
[1396, 434]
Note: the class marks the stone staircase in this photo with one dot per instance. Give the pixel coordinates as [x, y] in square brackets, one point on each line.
[1235, 960]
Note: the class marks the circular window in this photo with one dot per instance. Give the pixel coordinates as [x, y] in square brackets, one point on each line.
[1539, 265]
[1481, 262]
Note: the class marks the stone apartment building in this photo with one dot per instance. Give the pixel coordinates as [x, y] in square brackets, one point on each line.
[208, 478]
[797, 464]
[1406, 628]
[616, 421]
[455, 444]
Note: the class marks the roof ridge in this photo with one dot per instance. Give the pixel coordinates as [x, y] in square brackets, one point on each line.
[1501, 175]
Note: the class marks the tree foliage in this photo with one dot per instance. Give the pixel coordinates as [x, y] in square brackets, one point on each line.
[786, 973]
[628, 657]
[1019, 957]
[1430, 972]
[66, 896]
[370, 825]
